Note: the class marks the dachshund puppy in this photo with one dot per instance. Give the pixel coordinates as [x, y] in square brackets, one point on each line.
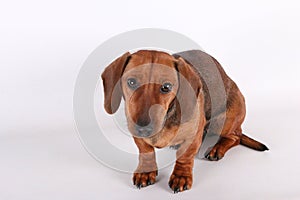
[174, 100]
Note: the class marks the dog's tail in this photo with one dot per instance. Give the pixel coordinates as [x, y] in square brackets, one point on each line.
[253, 144]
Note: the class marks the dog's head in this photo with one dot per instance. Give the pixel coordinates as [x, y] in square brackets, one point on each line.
[152, 84]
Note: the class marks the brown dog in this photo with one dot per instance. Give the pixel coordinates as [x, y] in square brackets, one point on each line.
[174, 100]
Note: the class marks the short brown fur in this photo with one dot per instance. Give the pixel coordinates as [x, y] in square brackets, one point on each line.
[180, 117]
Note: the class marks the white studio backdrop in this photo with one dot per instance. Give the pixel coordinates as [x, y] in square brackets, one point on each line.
[44, 44]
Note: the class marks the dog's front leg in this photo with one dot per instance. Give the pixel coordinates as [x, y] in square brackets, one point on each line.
[182, 176]
[146, 172]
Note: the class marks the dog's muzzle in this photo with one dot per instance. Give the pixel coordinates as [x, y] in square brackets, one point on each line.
[144, 131]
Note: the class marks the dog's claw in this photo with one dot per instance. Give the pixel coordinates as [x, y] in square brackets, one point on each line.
[185, 187]
[207, 156]
[176, 190]
[141, 180]
[180, 183]
[139, 185]
[149, 182]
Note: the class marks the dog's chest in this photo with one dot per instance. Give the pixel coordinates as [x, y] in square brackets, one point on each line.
[164, 138]
[177, 134]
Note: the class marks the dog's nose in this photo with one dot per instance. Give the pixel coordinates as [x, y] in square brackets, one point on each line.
[144, 131]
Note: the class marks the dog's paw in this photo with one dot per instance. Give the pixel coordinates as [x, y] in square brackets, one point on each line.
[215, 154]
[144, 179]
[180, 183]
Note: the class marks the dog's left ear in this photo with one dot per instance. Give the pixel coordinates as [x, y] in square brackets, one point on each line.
[111, 83]
[190, 86]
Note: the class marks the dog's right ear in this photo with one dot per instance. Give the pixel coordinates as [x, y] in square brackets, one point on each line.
[111, 82]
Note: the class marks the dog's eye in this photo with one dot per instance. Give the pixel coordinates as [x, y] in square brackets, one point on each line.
[132, 83]
[166, 88]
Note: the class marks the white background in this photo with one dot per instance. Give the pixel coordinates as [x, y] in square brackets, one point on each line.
[43, 45]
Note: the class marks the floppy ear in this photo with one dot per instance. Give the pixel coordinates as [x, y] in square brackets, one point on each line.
[111, 83]
[189, 88]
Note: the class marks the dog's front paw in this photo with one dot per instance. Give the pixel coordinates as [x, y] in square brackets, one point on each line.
[180, 183]
[144, 179]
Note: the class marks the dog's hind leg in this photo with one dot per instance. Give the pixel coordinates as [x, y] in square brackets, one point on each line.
[231, 132]
[222, 146]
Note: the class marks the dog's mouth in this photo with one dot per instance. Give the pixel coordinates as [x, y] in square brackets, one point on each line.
[147, 131]
[144, 131]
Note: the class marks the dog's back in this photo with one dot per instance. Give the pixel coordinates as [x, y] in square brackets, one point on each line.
[217, 86]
